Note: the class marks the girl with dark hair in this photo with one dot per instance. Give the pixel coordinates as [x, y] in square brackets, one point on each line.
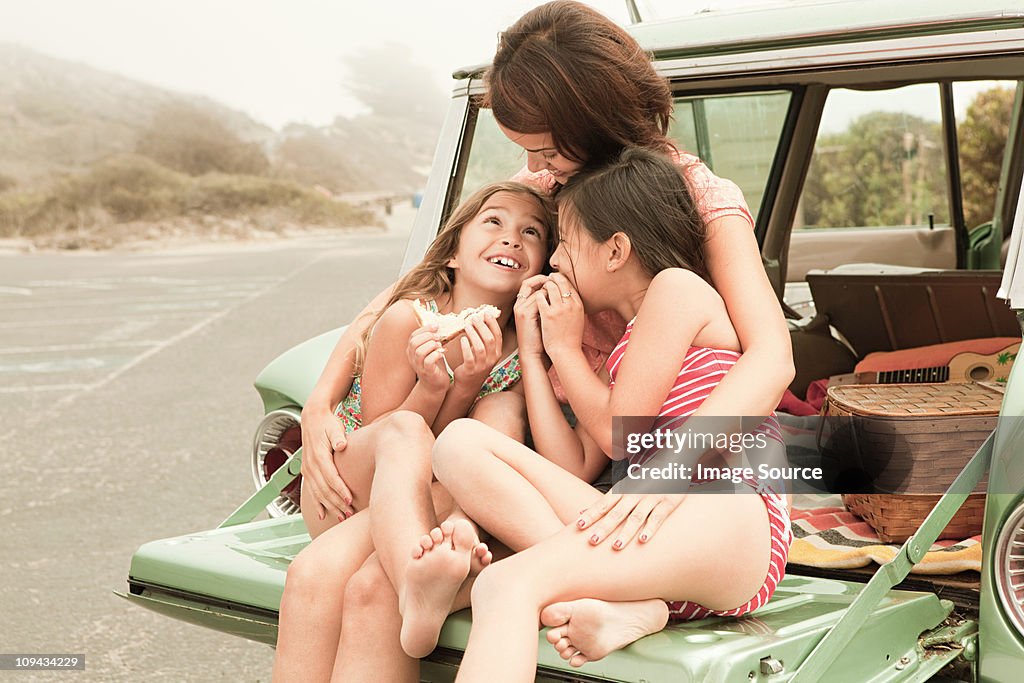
[410, 383]
[633, 242]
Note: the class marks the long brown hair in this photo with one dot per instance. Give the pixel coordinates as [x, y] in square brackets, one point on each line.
[644, 195]
[432, 277]
[567, 69]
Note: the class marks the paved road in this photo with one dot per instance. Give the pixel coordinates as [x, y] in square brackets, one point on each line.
[128, 409]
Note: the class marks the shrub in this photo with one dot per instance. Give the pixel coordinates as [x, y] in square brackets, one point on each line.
[228, 195]
[185, 139]
[132, 188]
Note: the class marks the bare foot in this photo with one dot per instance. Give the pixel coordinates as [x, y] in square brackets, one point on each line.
[441, 562]
[480, 558]
[588, 630]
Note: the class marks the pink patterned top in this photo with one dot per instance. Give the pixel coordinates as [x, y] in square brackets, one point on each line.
[715, 198]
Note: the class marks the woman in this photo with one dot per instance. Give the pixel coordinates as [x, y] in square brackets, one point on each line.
[571, 88]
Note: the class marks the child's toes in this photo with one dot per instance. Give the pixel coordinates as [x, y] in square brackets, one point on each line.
[463, 535]
[436, 534]
[556, 614]
[426, 543]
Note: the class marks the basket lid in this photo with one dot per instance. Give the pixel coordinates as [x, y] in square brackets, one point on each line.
[919, 400]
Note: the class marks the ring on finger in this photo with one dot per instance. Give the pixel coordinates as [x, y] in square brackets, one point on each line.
[566, 295]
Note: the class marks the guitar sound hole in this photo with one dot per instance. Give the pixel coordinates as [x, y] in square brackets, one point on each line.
[979, 373]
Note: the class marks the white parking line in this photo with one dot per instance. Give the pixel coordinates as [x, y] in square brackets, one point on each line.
[43, 387]
[63, 322]
[78, 347]
[149, 300]
[184, 334]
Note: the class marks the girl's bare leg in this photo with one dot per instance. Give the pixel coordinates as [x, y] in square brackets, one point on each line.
[400, 495]
[465, 458]
[356, 465]
[713, 549]
[429, 571]
[371, 625]
[517, 495]
[522, 498]
[311, 607]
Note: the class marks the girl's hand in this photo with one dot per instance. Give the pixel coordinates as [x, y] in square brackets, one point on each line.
[481, 351]
[323, 438]
[561, 315]
[528, 335]
[624, 516]
[426, 356]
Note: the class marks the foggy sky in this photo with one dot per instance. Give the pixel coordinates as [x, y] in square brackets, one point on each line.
[277, 61]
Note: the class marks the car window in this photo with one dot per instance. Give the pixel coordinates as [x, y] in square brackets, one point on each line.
[737, 136]
[878, 161]
[983, 110]
[492, 156]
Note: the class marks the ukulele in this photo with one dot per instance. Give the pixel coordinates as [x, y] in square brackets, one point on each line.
[962, 367]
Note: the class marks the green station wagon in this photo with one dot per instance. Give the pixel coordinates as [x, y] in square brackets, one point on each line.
[879, 147]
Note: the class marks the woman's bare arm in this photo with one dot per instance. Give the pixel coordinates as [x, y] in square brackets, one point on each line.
[754, 386]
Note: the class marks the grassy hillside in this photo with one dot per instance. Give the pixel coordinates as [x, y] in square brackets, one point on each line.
[57, 115]
[83, 151]
[132, 197]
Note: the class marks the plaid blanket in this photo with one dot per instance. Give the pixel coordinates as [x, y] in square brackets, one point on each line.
[826, 535]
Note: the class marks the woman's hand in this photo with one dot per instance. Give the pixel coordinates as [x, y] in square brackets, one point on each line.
[561, 315]
[528, 334]
[426, 356]
[322, 438]
[624, 516]
[481, 351]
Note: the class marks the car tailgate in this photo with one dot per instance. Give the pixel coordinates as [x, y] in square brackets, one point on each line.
[231, 579]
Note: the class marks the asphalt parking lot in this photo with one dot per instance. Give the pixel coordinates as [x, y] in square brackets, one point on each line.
[128, 410]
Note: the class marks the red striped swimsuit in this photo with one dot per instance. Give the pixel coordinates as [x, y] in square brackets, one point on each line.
[702, 369]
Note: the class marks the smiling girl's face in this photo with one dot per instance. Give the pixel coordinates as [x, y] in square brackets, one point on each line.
[505, 243]
[542, 155]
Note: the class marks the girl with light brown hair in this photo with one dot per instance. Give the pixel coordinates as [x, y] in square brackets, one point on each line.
[410, 383]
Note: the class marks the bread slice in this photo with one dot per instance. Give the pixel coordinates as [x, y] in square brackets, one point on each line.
[451, 325]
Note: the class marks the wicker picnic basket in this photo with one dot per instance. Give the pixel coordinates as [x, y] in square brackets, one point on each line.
[914, 438]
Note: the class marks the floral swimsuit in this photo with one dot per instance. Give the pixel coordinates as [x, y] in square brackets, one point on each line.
[505, 374]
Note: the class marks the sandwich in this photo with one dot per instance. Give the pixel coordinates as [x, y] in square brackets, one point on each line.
[451, 325]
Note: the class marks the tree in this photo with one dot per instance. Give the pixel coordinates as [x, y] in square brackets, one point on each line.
[886, 169]
[315, 157]
[982, 136]
[387, 80]
[186, 139]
